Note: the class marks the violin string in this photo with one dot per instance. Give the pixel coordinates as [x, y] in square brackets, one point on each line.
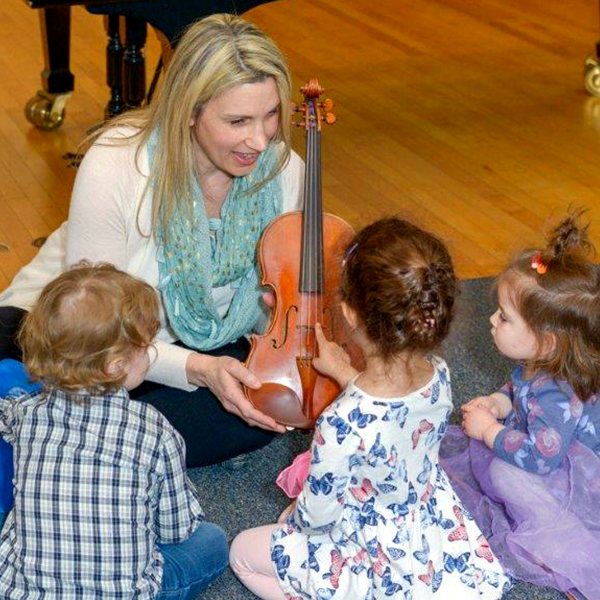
[320, 234]
[311, 233]
[315, 239]
[317, 242]
[306, 258]
[314, 258]
[306, 246]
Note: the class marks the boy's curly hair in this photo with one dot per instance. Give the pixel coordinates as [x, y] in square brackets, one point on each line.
[82, 320]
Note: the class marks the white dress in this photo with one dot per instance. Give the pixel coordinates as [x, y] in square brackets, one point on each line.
[377, 517]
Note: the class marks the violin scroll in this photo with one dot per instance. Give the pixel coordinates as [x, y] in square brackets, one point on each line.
[313, 112]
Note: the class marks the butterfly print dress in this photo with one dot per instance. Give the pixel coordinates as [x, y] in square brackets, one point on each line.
[377, 517]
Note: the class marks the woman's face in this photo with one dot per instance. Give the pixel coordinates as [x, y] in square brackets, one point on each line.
[235, 127]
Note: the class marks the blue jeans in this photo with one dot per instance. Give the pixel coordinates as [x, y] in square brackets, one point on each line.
[191, 565]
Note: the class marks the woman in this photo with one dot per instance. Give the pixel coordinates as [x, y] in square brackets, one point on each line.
[178, 194]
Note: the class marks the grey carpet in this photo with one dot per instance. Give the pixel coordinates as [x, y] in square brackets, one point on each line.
[237, 496]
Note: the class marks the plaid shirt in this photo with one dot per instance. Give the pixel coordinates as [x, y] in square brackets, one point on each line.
[98, 484]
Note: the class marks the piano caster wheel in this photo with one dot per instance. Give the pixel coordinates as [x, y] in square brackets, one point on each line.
[46, 111]
[592, 76]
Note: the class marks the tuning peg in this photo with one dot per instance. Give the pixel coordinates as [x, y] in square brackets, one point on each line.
[327, 104]
[329, 118]
[297, 107]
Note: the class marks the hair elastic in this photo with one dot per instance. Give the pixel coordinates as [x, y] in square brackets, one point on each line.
[538, 264]
[350, 251]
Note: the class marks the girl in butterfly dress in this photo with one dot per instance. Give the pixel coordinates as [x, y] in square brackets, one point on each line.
[377, 517]
[531, 473]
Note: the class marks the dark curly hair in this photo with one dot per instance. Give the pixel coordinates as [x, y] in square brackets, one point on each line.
[562, 298]
[400, 282]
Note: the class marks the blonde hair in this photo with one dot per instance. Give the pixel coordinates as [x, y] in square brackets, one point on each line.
[214, 54]
[84, 319]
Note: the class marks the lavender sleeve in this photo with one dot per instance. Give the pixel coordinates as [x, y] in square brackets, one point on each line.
[551, 416]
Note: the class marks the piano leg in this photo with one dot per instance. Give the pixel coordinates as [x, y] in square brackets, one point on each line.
[114, 67]
[47, 108]
[591, 78]
[591, 73]
[125, 73]
[134, 65]
[125, 64]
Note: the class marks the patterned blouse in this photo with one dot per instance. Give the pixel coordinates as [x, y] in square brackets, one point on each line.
[547, 416]
[99, 482]
[377, 517]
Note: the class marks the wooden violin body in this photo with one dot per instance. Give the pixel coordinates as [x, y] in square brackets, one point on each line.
[301, 255]
[293, 392]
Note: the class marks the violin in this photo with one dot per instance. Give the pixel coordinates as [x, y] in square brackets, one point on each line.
[301, 255]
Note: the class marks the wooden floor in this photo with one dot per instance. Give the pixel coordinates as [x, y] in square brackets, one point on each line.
[468, 116]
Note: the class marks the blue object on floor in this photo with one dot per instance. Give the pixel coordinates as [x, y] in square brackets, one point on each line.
[14, 382]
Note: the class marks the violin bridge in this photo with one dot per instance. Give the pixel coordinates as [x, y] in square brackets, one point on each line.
[308, 377]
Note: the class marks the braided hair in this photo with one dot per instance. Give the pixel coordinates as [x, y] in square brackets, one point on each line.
[400, 282]
[556, 290]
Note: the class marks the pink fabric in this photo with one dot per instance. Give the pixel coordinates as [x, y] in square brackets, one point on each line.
[250, 560]
[292, 478]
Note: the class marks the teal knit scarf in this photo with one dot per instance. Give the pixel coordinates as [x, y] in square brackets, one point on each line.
[196, 254]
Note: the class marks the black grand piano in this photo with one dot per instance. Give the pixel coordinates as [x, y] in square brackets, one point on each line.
[125, 22]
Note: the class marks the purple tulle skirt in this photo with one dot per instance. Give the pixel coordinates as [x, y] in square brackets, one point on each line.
[544, 529]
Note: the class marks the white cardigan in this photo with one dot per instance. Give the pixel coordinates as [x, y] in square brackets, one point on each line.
[109, 221]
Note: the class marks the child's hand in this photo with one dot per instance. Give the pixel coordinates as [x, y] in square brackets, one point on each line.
[483, 402]
[476, 420]
[498, 404]
[333, 361]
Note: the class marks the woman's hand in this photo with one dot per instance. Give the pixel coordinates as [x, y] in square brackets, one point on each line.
[333, 361]
[498, 404]
[268, 298]
[225, 376]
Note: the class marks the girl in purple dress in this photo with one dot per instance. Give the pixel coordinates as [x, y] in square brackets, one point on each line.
[530, 473]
